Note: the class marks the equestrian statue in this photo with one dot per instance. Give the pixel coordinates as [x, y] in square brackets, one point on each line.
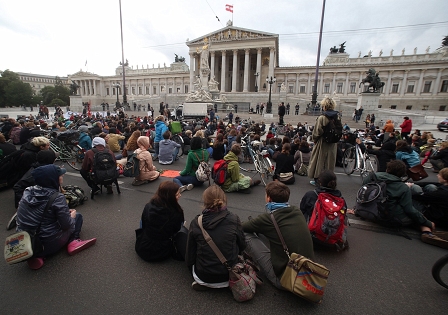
[373, 80]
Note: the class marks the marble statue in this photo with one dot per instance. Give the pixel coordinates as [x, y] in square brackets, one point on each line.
[204, 54]
[415, 50]
[359, 54]
[370, 53]
[402, 52]
[427, 49]
[391, 52]
[213, 85]
[283, 87]
[381, 52]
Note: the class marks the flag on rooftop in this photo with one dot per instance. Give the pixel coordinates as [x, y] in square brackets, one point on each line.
[229, 7]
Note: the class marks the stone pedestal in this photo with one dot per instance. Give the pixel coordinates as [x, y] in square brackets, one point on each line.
[76, 103]
[204, 78]
[369, 102]
[268, 116]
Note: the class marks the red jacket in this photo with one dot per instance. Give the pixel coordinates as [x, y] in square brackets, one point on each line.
[406, 126]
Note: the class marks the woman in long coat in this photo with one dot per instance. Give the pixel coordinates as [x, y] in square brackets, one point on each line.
[323, 156]
[148, 172]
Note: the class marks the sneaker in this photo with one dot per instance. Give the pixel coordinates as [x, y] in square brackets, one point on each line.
[432, 239]
[109, 190]
[35, 263]
[442, 234]
[312, 182]
[12, 222]
[138, 182]
[78, 245]
[256, 182]
[196, 286]
[190, 186]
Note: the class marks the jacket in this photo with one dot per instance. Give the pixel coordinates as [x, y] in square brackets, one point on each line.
[161, 127]
[284, 163]
[87, 163]
[406, 126]
[410, 158]
[114, 146]
[384, 156]
[15, 135]
[438, 207]
[233, 170]
[441, 155]
[389, 126]
[294, 230]
[219, 151]
[28, 157]
[159, 225]
[193, 163]
[226, 231]
[85, 141]
[29, 214]
[399, 199]
[166, 149]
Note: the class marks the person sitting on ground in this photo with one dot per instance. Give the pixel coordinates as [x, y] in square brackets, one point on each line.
[440, 159]
[114, 139]
[268, 252]
[225, 229]
[405, 153]
[162, 234]
[303, 155]
[284, 164]
[168, 149]
[219, 147]
[235, 181]
[6, 148]
[430, 199]
[14, 134]
[399, 198]
[196, 155]
[132, 145]
[84, 141]
[385, 154]
[99, 145]
[59, 226]
[161, 127]
[326, 183]
[148, 172]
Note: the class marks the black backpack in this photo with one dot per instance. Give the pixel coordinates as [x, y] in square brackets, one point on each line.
[333, 130]
[132, 167]
[74, 195]
[104, 170]
[9, 170]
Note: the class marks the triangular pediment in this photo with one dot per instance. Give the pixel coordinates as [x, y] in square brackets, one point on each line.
[81, 73]
[231, 33]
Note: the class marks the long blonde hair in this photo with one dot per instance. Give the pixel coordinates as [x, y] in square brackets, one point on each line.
[214, 198]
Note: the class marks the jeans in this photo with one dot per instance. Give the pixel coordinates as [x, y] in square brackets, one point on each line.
[156, 150]
[261, 255]
[89, 181]
[418, 190]
[53, 245]
[187, 179]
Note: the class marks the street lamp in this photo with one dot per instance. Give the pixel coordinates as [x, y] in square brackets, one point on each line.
[117, 86]
[314, 96]
[270, 81]
[256, 80]
[125, 100]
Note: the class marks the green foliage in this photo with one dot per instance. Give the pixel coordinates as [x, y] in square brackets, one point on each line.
[14, 92]
[59, 91]
[58, 102]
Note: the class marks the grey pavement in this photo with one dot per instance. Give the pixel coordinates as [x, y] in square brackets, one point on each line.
[381, 272]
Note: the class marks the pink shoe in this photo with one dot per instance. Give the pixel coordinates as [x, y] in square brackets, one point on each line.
[78, 245]
[35, 263]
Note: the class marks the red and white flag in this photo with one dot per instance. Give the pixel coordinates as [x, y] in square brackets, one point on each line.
[229, 7]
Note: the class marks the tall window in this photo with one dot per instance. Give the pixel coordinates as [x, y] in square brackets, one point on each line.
[352, 87]
[444, 86]
[339, 87]
[186, 88]
[291, 89]
[427, 87]
[140, 90]
[327, 88]
[410, 87]
[107, 91]
[395, 88]
[154, 90]
[302, 89]
[133, 90]
[113, 91]
[170, 90]
[147, 90]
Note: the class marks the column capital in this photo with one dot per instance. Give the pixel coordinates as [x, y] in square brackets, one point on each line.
[259, 50]
[212, 53]
[223, 52]
[272, 49]
[246, 51]
[235, 51]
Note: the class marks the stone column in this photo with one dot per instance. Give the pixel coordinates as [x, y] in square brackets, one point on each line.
[361, 76]
[420, 82]
[259, 68]
[191, 72]
[80, 92]
[435, 89]
[223, 71]
[212, 64]
[234, 69]
[296, 91]
[321, 87]
[333, 84]
[246, 69]
[150, 87]
[308, 88]
[90, 87]
[404, 82]
[389, 81]
[346, 87]
[271, 62]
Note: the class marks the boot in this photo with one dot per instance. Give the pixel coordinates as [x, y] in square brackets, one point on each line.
[78, 245]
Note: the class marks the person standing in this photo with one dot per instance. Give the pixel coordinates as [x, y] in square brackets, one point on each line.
[406, 128]
[261, 109]
[230, 118]
[288, 107]
[257, 109]
[323, 156]
[281, 113]
[297, 109]
[160, 129]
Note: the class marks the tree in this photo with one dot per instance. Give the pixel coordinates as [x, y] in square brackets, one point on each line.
[58, 91]
[13, 92]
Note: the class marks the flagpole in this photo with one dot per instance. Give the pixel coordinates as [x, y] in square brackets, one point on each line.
[232, 13]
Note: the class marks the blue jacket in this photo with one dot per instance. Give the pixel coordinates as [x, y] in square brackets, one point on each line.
[85, 141]
[409, 158]
[161, 127]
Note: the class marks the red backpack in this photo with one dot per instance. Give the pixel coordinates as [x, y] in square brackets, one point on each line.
[219, 172]
[328, 221]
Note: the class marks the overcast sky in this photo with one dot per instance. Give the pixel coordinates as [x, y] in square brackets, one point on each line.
[57, 37]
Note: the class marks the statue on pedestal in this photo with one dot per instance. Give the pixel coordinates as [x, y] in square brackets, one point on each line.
[373, 80]
[204, 54]
[213, 85]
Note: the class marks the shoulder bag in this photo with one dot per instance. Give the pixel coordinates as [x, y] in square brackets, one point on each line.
[417, 172]
[243, 278]
[303, 169]
[302, 276]
[23, 245]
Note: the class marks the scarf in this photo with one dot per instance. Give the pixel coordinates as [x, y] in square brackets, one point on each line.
[274, 206]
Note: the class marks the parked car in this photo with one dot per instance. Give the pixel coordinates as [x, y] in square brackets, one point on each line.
[443, 125]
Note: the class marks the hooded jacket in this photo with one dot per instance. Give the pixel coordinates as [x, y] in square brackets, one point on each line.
[32, 205]
[226, 231]
[410, 157]
[160, 129]
[166, 149]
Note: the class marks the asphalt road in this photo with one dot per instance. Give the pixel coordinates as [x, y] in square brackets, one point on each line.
[381, 272]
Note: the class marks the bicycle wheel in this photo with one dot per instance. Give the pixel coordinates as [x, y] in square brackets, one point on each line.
[178, 139]
[266, 169]
[349, 160]
[440, 271]
[69, 155]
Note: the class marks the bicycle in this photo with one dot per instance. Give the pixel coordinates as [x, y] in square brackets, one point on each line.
[67, 149]
[440, 271]
[355, 160]
[261, 161]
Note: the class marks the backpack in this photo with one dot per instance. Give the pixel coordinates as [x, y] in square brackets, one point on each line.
[333, 130]
[132, 167]
[203, 171]
[303, 168]
[328, 222]
[9, 172]
[74, 195]
[371, 202]
[219, 172]
[104, 170]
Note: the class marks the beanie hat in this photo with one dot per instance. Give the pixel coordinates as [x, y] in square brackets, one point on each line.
[83, 128]
[98, 141]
